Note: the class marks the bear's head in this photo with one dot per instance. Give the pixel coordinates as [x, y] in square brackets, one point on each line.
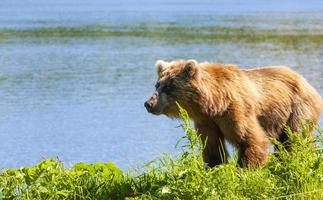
[176, 82]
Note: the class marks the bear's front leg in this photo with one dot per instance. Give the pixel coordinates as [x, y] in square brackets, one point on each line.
[215, 152]
[253, 147]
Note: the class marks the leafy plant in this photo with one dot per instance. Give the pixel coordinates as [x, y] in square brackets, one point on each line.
[287, 175]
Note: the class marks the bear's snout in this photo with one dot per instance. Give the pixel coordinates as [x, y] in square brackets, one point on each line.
[148, 104]
[151, 102]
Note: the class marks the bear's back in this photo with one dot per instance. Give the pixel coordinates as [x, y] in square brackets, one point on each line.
[284, 92]
[280, 78]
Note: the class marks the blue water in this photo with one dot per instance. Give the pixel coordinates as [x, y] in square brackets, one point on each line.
[79, 97]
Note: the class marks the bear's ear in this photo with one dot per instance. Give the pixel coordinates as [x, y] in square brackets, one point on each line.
[160, 65]
[191, 68]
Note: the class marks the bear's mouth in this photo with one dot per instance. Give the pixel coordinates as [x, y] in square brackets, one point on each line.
[154, 111]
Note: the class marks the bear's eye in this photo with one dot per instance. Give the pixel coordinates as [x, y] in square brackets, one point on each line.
[167, 88]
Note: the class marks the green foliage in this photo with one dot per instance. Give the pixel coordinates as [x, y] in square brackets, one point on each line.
[295, 175]
[173, 33]
[50, 180]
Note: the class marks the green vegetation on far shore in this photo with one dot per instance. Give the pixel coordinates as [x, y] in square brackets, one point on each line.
[173, 33]
[296, 175]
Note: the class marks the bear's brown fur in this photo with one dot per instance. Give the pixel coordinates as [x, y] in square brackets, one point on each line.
[244, 107]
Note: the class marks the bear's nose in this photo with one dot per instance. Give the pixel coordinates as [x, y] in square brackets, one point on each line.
[148, 105]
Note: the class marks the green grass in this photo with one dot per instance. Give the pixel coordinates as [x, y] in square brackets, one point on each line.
[177, 34]
[296, 175]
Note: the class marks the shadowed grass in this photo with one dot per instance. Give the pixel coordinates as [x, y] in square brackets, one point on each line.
[295, 175]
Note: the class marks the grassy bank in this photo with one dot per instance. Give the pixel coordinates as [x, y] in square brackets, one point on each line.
[296, 175]
[173, 34]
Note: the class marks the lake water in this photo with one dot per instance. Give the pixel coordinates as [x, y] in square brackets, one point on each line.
[74, 74]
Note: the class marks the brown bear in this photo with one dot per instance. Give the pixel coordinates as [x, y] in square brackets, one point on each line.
[244, 107]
